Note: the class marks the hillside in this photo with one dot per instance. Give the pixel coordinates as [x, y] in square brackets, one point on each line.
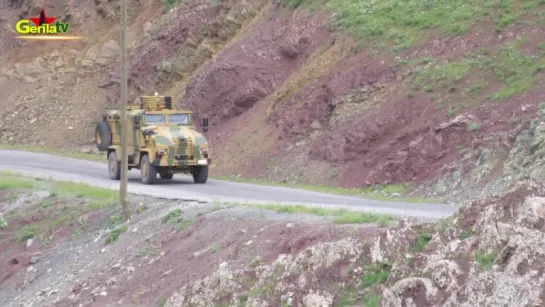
[65, 244]
[338, 92]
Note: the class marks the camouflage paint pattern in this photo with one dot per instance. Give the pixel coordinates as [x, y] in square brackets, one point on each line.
[184, 145]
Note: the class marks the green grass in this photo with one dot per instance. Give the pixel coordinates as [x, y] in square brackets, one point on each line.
[161, 302]
[11, 183]
[362, 218]
[424, 237]
[341, 216]
[3, 223]
[56, 152]
[84, 190]
[172, 217]
[375, 274]
[61, 193]
[514, 70]
[473, 127]
[114, 221]
[403, 23]
[485, 260]
[169, 4]
[371, 300]
[99, 197]
[214, 248]
[184, 223]
[115, 234]
[28, 232]
[465, 234]
[443, 76]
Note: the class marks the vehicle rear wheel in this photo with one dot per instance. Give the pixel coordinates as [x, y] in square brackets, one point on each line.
[166, 175]
[148, 172]
[201, 174]
[114, 166]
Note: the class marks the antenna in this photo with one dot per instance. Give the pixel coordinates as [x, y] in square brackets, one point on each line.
[42, 17]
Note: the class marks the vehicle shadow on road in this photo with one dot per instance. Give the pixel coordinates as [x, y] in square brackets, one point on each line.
[173, 181]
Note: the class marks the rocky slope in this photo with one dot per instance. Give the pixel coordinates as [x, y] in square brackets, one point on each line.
[334, 92]
[64, 248]
[60, 248]
[490, 254]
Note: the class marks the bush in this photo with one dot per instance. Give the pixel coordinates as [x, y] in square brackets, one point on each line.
[3, 222]
[168, 4]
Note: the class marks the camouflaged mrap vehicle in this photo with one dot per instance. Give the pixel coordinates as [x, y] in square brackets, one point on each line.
[160, 140]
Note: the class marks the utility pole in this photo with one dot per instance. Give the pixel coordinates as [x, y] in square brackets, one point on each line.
[124, 156]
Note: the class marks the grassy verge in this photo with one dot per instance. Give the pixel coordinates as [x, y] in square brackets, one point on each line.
[67, 206]
[15, 181]
[56, 152]
[340, 216]
[385, 193]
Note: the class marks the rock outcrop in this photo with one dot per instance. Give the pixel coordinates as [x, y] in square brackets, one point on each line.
[490, 254]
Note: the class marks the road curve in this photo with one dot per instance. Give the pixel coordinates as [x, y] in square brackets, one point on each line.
[182, 187]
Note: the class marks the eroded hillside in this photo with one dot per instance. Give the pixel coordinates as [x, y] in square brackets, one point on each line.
[333, 92]
[65, 244]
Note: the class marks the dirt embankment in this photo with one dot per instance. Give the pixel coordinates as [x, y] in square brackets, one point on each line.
[289, 98]
[490, 253]
[64, 244]
[61, 250]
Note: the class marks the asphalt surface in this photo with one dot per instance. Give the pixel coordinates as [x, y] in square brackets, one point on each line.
[182, 187]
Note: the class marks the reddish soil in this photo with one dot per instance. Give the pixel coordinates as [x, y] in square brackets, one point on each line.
[397, 140]
[48, 230]
[254, 67]
[14, 256]
[196, 252]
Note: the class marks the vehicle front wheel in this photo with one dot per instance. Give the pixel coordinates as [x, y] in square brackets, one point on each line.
[114, 166]
[201, 174]
[148, 172]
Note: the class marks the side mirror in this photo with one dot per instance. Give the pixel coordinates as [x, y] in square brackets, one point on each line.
[205, 124]
[136, 122]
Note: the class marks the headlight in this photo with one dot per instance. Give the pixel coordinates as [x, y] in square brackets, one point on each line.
[162, 152]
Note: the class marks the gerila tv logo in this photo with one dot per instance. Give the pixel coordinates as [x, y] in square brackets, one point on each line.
[43, 27]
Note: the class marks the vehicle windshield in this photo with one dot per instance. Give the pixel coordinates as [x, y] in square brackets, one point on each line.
[178, 119]
[152, 119]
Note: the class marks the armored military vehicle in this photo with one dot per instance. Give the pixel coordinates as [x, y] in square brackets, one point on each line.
[161, 140]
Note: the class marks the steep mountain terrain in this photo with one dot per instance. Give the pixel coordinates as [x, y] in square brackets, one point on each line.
[338, 92]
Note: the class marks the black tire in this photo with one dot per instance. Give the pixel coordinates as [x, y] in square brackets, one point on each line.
[103, 136]
[114, 166]
[201, 174]
[148, 172]
[166, 175]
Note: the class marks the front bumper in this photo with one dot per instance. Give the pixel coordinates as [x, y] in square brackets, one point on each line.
[162, 161]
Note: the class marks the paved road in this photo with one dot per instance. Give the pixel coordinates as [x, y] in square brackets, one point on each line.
[182, 187]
